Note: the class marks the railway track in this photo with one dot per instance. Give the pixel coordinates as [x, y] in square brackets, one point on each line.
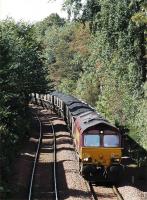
[98, 192]
[44, 185]
[35, 160]
[102, 193]
[116, 191]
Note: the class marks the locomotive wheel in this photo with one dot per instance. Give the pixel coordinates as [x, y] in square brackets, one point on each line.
[115, 174]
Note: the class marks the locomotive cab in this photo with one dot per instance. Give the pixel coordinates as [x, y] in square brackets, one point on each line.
[99, 147]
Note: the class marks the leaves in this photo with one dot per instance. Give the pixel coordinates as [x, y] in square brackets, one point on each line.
[21, 73]
[112, 61]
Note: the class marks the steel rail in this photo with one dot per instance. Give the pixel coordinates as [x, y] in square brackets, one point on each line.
[94, 195]
[114, 188]
[55, 160]
[35, 161]
[116, 191]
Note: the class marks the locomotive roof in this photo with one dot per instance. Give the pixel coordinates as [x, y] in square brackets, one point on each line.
[80, 111]
[93, 119]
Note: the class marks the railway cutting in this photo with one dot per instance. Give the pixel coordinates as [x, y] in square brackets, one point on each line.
[43, 179]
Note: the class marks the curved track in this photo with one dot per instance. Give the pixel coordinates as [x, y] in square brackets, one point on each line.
[34, 191]
[35, 160]
[98, 192]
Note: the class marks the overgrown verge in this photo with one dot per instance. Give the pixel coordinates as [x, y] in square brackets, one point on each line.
[12, 140]
[21, 73]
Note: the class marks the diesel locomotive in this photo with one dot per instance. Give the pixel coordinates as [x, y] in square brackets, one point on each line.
[97, 142]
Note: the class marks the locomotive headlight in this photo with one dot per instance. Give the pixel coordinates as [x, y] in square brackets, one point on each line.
[88, 159]
[117, 160]
[85, 159]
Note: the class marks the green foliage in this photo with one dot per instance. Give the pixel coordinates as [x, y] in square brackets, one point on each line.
[21, 73]
[73, 8]
[115, 101]
[140, 123]
[101, 60]
[65, 52]
[67, 86]
[88, 87]
[114, 69]
[48, 22]
[57, 53]
[20, 59]
[140, 18]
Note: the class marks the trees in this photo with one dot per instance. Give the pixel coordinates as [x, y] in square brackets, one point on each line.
[65, 51]
[117, 54]
[101, 60]
[52, 20]
[21, 72]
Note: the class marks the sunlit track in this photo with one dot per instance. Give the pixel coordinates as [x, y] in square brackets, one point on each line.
[33, 191]
[95, 191]
[116, 191]
[35, 160]
[94, 195]
[100, 192]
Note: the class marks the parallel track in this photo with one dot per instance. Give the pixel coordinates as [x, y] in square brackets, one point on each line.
[116, 191]
[35, 160]
[94, 195]
[55, 192]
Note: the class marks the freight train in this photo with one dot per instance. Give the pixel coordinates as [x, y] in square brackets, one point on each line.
[97, 142]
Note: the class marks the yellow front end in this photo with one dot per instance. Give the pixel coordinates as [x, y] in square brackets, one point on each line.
[100, 156]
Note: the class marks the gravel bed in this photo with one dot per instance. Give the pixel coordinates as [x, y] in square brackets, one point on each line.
[43, 180]
[134, 183]
[70, 184]
[132, 193]
[104, 193]
[73, 186]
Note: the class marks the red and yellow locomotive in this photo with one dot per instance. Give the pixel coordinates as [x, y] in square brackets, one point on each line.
[97, 142]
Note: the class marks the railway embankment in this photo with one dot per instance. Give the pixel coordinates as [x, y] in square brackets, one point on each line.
[19, 178]
[70, 184]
